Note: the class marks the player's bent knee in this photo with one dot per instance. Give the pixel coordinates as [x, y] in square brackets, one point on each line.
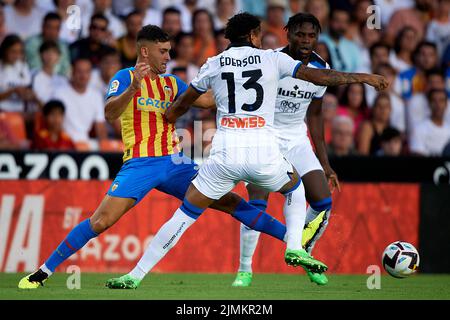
[100, 222]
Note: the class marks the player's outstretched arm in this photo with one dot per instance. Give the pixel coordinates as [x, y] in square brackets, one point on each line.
[205, 101]
[182, 104]
[115, 106]
[328, 77]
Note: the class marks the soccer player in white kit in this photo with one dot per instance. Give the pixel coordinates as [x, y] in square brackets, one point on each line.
[244, 81]
[296, 99]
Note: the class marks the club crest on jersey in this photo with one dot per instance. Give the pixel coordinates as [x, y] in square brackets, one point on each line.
[114, 86]
[115, 186]
[168, 90]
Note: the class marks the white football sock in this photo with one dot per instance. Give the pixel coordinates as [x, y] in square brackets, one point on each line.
[46, 270]
[295, 213]
[165, 239]
[249, 240]
[311, 214]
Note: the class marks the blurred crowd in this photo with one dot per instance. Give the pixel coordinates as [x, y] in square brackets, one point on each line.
[56, 62]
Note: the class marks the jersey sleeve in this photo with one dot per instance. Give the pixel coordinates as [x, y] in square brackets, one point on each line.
[202, 82]
[119, 83]
[181, 85]
[287, 67]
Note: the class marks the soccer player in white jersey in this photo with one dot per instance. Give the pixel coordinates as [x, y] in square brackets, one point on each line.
[244, 81]
[297, 99]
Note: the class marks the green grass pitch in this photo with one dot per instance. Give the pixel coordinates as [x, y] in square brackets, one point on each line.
[218, 287]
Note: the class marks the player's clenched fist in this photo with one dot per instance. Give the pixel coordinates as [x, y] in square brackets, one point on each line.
[377, 81]
[141, 70]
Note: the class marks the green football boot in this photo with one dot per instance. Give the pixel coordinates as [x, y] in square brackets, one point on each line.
[243, 279]
[302, 258]
[318, 278]
[123, 282]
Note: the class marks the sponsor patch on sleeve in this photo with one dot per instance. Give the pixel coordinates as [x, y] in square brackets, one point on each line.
[114, 86]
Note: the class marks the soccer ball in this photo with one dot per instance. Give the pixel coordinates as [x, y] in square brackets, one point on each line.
[400, 259]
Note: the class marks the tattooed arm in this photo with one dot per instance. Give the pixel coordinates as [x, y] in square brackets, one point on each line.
[328, 77]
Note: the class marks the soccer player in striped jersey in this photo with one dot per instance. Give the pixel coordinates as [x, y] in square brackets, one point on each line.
[152, 159]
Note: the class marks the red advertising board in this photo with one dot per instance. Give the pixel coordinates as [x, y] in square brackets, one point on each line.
[36, 215]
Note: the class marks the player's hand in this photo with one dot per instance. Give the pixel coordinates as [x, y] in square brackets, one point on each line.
[333, 180]
[378, 82]
[141, 70]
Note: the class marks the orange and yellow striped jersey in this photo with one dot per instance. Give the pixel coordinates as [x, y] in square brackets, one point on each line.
[145, 130]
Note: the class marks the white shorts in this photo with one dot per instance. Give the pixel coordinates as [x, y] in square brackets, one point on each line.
[302, 156]
[225, 167]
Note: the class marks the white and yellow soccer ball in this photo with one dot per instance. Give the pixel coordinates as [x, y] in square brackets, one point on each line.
[400, 259]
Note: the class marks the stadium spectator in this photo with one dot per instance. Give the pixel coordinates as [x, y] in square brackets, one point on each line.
[432, 135]
[171, 23]
[3, 26]
[369, 37]
[51, 27]
[150, 15]
[23, 18]
[184, 54]
[225, 9]
[270, 41]
[398, 116]
[418, 109]
[92, 47]
[222, 43]
[391, 143]
[344, 52]
[389, 7]
[275, 21]
[84, 106]
[126, 45]
[412, 81]
[321, 10]
[369, 135]
[109, 66]
[342, 143]
[15, 79]
[405, 44]
[45, 81]
[416, 17]
[379, 54]
[68, 33]
[354, 104]
[187, 9]
[203, 32]
[359, 19]
[52, 136]
[116, 29]
[438, 30]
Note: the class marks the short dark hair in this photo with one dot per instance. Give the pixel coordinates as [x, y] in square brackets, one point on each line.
[9, 41]
[390, 133]
[78, 60]
[99, 16]
[171, 10]
[180, 37]
[133, 13]
[301, 18]
[53, 105]
[47, 45]
[52, 16]
[152, 33]
[377, 45]
[434, 91]
[240, 26]
[434, 72]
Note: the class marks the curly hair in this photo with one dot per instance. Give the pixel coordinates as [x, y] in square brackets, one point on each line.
[240, 26]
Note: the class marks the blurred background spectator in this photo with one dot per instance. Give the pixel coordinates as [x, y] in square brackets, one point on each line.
[51, 136]
[51, 28]
[39, 41]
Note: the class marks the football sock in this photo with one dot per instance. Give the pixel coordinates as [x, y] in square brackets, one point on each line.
[74, 241]
[317, 207]
[295, 213]
[249, 240]
[259, 220]
[166, 238]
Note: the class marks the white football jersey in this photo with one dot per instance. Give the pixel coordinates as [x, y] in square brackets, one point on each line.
[293, 99]
[244, 80]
